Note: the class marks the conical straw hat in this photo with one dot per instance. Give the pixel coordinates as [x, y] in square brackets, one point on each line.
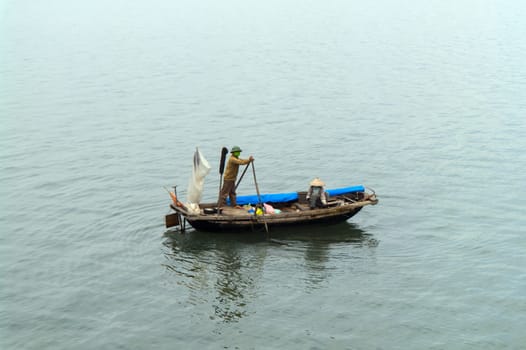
[317, 182]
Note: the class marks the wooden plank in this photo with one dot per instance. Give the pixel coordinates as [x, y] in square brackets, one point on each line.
[172, 220]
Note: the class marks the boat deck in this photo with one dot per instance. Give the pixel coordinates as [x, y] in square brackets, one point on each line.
[227, 218]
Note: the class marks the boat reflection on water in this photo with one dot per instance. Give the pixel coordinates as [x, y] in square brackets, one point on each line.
[226, 270]
[337, 233]
[217, 270]
[324, 248]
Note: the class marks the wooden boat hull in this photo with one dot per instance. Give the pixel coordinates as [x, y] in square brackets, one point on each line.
[257, 222]
[340, 208]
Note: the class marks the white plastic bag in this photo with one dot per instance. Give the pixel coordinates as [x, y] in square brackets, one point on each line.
[195, 186]
[193, 208]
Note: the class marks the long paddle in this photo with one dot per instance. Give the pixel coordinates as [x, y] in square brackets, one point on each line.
[259, 196]
[224, 152]
[241, 177]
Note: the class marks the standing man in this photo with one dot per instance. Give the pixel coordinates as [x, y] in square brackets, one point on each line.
[229, 182]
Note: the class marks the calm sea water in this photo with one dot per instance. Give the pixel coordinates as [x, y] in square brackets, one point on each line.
[103, 103]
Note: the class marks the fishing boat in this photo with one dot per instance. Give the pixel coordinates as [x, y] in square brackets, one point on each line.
[266, 211]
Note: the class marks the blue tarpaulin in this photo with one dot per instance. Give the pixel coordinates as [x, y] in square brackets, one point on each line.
[267, 198]
[352, 189]
[291, 196]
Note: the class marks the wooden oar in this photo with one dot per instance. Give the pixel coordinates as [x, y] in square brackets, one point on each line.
[259, 196]
[241, 177]
[224, 152]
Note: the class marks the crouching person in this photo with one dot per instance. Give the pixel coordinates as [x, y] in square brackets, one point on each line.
[316, 195]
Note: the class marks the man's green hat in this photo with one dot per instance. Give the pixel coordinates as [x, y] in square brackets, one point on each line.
[236, 149]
